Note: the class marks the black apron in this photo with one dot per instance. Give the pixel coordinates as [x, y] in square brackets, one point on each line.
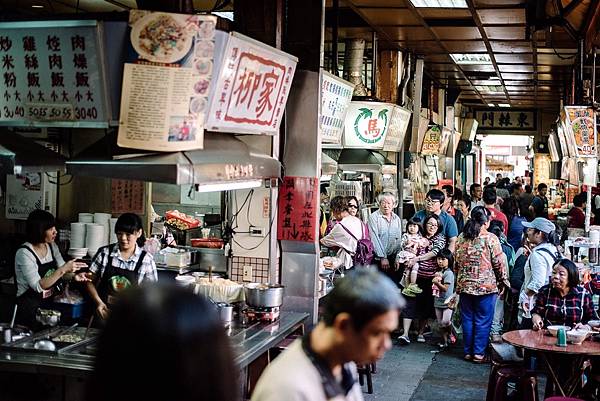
[31, 300]
[114, 279]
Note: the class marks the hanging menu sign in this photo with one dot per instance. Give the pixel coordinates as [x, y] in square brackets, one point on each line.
[298, 209]
[367, 124]
[432, 141]
[397, 129]
[251, 88]
[581, 129]
[51, 74]
[127, 196]
[164, 98]
[336, 95]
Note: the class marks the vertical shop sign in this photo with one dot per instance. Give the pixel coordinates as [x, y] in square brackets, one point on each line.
[127, 196]
[252, 87]
[581, 128]
[298, 209]
[336, 95]
[51, 74]
[397, 129]
[432, 141]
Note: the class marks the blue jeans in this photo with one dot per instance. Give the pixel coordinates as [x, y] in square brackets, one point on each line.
[477, 313]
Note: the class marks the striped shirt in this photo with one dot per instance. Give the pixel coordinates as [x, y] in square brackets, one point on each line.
[147, 270]
[427, 268]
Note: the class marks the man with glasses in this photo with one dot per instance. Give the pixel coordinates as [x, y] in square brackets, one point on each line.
[433, 205]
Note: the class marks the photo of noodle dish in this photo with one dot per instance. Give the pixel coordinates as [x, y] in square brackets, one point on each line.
[162, 37]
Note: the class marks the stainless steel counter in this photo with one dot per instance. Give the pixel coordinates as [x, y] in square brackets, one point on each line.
[248, 343]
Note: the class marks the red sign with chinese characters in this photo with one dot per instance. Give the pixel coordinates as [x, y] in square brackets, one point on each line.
[127, 197]
[251, 89]
[298, 209]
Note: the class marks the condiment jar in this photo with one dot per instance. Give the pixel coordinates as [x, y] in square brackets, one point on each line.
[561, 337]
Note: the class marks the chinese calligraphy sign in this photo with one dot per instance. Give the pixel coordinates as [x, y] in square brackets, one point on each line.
[252, 87]
[336, 95]
[581, 129]
[499, 119]
[432, 141]
[51, 75]
[298, 209]
[127, 196]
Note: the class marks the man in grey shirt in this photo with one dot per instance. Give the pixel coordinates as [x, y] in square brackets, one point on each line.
[359, 315]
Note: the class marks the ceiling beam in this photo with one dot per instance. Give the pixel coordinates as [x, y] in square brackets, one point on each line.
[488, 46]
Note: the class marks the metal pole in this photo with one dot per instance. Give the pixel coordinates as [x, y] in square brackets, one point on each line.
[588, 209]
[334, 37]
[594, 77]
[374, 65]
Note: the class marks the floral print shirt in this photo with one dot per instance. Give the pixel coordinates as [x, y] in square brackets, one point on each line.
[480, 265]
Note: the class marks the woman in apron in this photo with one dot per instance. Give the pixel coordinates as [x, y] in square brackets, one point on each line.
[119, 266]
[39, 267]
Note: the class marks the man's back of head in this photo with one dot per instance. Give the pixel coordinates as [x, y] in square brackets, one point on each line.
[489, 196]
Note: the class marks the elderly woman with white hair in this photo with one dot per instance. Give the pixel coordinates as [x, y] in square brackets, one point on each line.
[385, 229]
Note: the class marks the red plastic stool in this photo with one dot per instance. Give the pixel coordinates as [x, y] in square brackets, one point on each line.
[526, 381]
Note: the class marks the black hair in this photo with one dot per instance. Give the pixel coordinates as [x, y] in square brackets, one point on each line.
[339, 204]
[458, 194]
[572, 271]
[496, 227]
[542, 186]
[467, 199]
[517, 186]
[479, 216]
[510, 207]
[473, 187]
[552, 238]
[172, 338]
[438, 221]
[448, 188]
[415, 221]
[364, 294]
[579, 200]
[130, 223]
[447, 254]
[36, 225]
[528, 188]
[436, 194]
[489, 196]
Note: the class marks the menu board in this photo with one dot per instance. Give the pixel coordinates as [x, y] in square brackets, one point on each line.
[397, 129]
[367, 125]
[51, 74]
[581, 128]
[298, 209]
[251, 88]
[336, 95]
[127, 197]
[432, 141]
[164, 97]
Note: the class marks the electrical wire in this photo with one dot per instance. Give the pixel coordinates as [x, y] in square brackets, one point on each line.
[249, 207]
[264, 238]
[556, 52]
[58, 177]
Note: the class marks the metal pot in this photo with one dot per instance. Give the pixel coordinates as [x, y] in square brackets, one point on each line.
[225, 312]
[263, 295]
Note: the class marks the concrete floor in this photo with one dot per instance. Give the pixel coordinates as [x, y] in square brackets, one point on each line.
[414, 373]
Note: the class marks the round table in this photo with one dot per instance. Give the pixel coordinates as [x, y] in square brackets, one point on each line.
[545, 345]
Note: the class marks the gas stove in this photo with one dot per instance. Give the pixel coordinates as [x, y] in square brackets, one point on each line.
[262, 314]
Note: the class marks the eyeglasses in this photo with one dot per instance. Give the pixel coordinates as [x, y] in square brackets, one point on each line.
[429, 200]
[353, 206]
[431, 224]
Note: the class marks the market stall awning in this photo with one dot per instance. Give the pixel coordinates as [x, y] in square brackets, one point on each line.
[224, 159]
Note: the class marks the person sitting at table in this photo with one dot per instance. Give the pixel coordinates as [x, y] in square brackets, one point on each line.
[563, 301]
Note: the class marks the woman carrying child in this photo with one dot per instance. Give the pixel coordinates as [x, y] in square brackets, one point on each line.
[413, 244]
[443, 290]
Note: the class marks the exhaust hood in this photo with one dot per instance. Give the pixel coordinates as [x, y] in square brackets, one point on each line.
[363, 160]
[224, 159]
[19, 155]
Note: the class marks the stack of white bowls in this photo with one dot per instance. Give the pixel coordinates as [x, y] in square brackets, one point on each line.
[113, 237]
[77, 235]
[77, 253]
[104, 219]
[94, 237]
[86, 217]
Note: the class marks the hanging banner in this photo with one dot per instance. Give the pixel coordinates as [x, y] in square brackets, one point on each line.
[251, 88]
[397, 129]
[367, 124]
[165, 86]
[432, 141]
[336, 95]
[581, 128]
[51, 74]
[514, 120]
[541, 169]
[298, 209]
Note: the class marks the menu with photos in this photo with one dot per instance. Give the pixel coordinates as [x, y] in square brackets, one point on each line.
[164, 96]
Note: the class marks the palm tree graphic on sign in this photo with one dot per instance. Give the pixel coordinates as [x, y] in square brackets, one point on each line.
[369, 129]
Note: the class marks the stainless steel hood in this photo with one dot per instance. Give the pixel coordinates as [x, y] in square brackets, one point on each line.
[224, 159]
[363, 160]
[19, 154]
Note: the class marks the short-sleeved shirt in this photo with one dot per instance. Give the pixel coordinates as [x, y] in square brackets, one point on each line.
[496, 214]
[447, 279]
[26, 268]
[577, 218]
[427, 268]
[147, 270]
[450, 230]
[540, 207]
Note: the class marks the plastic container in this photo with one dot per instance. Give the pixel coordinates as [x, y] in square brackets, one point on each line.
[69, 311]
